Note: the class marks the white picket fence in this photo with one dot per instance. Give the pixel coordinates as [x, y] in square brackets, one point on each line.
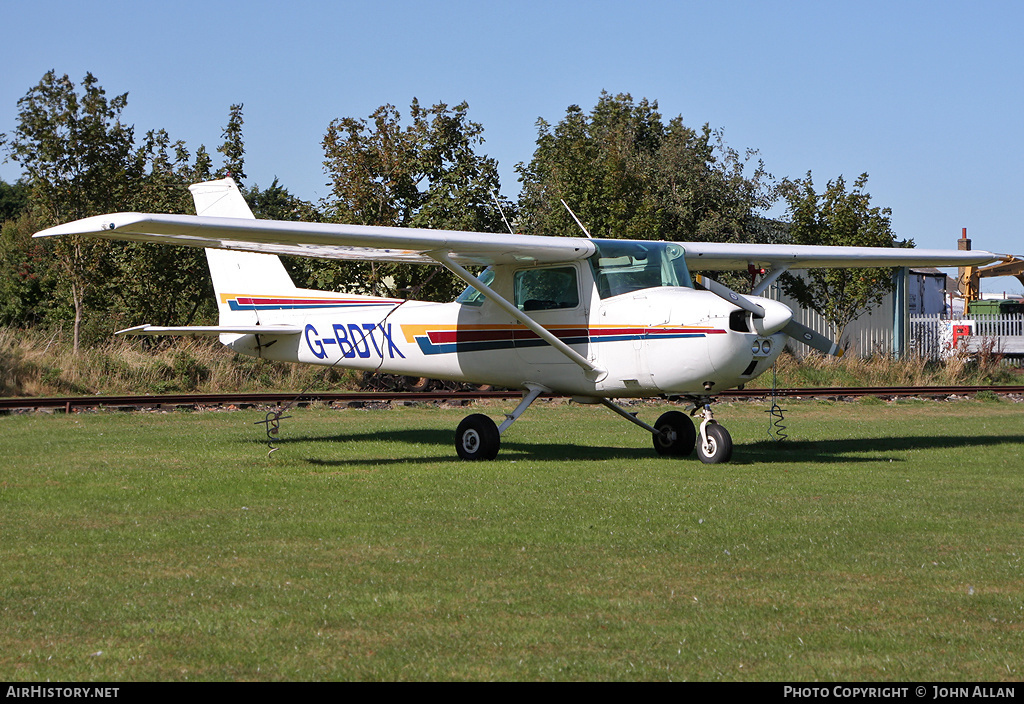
[931, 336]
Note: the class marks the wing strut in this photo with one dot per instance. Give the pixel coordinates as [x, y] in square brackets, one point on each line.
[592, 371]
[768, 280]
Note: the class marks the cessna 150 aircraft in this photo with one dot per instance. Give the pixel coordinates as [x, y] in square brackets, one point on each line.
[594, 319]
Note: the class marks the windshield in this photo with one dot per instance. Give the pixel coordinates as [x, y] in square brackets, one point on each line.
[623, 266]
[470, 296]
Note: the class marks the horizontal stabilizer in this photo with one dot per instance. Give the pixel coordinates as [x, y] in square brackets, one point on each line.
[276, 330]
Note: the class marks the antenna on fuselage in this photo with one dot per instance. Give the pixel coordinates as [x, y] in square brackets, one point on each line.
[502, 211]
[576, 219]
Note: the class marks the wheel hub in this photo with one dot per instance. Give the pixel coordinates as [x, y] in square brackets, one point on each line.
[471, 441]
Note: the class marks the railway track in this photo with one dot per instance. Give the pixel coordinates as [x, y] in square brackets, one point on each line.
[70, 404]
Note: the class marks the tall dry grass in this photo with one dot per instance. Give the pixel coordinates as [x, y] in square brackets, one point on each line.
[34, 363]
[816, 370]
[37, 363]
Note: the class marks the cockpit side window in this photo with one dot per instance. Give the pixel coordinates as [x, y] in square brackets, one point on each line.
[624, 266]
[547, 289]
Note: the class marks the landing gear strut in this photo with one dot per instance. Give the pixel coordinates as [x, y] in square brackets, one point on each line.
[478, 438]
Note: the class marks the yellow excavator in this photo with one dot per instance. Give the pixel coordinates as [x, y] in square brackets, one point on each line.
[969, 279]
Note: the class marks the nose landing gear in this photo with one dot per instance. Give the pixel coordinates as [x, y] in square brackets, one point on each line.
[714, 445]
[674, 434]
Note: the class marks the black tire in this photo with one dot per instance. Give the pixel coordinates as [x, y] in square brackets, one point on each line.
[676, 435]
[418, 384]
[719, 447]
[477, 438]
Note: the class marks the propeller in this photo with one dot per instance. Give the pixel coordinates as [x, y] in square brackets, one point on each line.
[770, 316]
[802, 333]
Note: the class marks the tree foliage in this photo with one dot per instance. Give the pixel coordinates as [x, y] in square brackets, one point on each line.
[423, 174]
[81, 159]
[13, 199]
[161, 284]
[628, 174]
[844, 218]
[233, 147]
[27, 281]
[76, 153]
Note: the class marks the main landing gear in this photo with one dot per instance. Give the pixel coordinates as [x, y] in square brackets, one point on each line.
[674, 433]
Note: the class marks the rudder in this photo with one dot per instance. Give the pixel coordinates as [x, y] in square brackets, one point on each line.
[236, 274]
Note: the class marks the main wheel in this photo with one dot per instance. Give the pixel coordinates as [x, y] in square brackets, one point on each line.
[719, 446]
[417, 383]
[477, 438]
[676, 435]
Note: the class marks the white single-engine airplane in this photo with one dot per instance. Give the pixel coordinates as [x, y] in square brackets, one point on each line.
[594, 319]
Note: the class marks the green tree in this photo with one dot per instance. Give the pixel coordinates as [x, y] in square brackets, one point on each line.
[276, 203]
[424, 174]
[627, 174]
[161, 284]
[13, 199]
[76, 154]
[81, 160]
[27, 277]
[838, 217]
[233, 147]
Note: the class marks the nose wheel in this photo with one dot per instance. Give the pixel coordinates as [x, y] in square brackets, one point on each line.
[715, 444]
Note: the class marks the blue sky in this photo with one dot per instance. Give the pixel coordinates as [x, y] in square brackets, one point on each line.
[924, 96]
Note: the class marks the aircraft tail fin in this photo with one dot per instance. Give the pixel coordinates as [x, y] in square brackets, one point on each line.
[235, 274]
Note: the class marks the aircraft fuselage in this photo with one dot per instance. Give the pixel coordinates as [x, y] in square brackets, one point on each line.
[663, 340]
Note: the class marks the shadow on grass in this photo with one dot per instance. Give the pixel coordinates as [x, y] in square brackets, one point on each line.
[866, 449]
[858, 450]
[510, 450]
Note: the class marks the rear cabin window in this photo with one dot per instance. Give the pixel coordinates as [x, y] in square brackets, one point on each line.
[624, 266]
[547, 289]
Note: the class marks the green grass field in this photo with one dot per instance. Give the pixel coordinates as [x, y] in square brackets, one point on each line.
[880, 542]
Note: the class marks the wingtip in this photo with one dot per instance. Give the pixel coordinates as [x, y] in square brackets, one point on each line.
[133, 330]
[95, 225]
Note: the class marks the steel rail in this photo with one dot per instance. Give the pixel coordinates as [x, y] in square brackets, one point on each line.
[882, 391]
[71, 403]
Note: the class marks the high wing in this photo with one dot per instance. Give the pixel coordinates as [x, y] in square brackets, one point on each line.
[329, 241]
[361, 242]
[710, 256]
